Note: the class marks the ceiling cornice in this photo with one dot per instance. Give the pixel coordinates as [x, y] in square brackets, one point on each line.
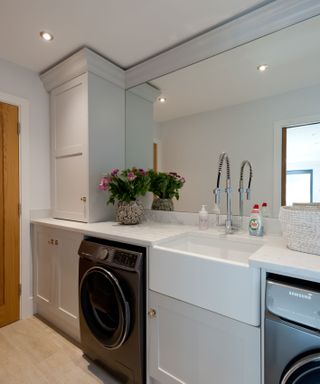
[146, 91]
[85, 60]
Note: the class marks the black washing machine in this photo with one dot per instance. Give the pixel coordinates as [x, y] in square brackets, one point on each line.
[112, 302]
[292, 331]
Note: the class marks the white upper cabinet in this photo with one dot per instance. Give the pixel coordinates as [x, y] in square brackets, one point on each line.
[69, 116]
[87, 102]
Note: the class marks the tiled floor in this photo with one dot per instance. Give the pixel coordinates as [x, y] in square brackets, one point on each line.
[33, 353]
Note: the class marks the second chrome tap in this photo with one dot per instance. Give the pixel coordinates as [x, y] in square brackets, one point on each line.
[242, 190]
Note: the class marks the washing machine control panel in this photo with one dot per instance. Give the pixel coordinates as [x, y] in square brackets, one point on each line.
[110, 254]
[93, 251]
[294, 302]
[124, 258]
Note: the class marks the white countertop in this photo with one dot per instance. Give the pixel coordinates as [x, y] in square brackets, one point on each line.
[279, 259]
[147, 233]
[273, 255]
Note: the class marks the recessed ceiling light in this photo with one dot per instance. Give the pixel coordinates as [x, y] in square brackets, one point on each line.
[262, 67]
[162, 99]
[46, 36]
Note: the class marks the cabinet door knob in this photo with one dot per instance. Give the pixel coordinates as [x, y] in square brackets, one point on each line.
[56, 242]
[152, 313]
[83, 198]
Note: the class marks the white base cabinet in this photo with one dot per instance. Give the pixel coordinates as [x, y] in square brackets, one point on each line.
[191, 345]
[56, 269]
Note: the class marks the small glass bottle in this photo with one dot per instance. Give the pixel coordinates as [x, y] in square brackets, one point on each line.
[265, 210]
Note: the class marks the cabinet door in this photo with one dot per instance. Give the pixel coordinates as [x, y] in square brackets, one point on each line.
[56, 277]
[69, 127]
[191, 345]
[44, 267]
[67, 267]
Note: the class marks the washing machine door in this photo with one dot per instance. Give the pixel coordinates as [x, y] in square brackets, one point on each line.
[104, 307]
[304, 371]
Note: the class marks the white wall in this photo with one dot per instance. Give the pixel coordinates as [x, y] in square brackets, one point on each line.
[21, 82]
[191, 145]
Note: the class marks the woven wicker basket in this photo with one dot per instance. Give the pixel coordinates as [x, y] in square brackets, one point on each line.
[301, 227]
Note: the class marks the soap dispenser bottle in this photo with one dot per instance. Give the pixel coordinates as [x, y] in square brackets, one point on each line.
[255, 222]
[203, 218]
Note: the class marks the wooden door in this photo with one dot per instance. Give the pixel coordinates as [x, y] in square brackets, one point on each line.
[155, 157]
[9, 214]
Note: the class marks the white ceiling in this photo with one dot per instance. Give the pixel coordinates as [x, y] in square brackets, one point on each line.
[125, 31]
[231, 78]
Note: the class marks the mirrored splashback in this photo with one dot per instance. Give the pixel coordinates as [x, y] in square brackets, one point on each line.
[226, 104]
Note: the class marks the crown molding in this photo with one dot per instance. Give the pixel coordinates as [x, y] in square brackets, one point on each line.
[81, 62]
[146, 91]
[262, 21]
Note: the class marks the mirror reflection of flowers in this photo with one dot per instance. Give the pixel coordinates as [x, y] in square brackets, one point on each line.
[165, 185]
[126, 185]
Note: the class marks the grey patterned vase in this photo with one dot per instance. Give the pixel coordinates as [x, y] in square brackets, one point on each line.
[129, 213]
[162, 204]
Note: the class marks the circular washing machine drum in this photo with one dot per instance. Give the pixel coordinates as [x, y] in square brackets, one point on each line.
[104, 307]
[304, 371]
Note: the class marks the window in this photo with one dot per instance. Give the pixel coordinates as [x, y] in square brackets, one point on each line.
[299, 186]
[300, 164]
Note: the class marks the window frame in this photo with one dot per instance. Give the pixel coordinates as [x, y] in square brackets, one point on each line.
[301, 172]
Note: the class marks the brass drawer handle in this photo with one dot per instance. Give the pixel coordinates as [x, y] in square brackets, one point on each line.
[53, 242]
[152, 313]
[83, 199]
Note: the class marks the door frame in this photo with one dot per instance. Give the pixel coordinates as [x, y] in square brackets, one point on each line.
[26, 298]
[159, 158]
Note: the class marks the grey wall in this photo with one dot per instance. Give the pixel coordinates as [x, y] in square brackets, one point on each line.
[21, 82]
[139, 131]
